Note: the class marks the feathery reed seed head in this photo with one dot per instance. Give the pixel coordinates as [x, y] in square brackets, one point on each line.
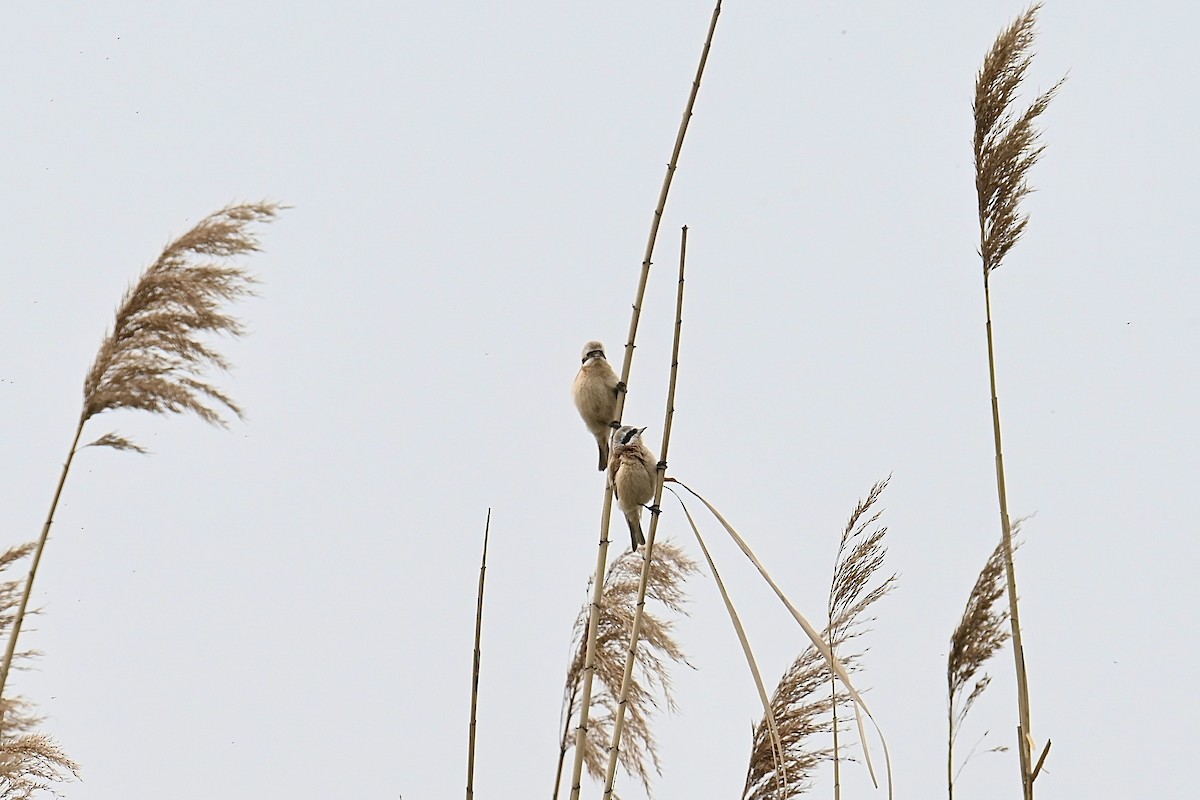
[1006, 144]
[981, 632]
[804, 705]
[639, 753]
[154, 358]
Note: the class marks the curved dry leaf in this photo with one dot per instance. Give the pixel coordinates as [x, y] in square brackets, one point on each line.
[117, 443]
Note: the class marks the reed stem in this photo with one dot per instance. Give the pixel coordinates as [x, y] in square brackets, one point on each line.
[19, 617]
[589, 668]
[475, 665]
[648, 551]
[1024, 735]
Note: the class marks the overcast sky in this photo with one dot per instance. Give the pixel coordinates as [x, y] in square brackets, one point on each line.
[285, 609]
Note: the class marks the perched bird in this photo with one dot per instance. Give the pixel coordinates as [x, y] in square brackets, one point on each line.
[631, 474]
[595, 389]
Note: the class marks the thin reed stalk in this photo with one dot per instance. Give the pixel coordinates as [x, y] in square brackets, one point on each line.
[626, 366]
[153, 359]
[1006, 146]
[648, 555]
[30, 762]
[475, 662]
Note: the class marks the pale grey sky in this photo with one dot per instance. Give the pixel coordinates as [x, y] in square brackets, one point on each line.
[285, 609]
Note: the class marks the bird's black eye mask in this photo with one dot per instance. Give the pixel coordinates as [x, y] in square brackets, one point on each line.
[630, 435]
[594, 354]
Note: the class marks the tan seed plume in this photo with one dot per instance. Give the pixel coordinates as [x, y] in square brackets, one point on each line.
[155, 359]
[639, 755]
[807, 700]
[1006, 144]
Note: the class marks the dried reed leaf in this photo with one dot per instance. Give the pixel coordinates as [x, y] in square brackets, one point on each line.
[651, 678]
[154, 358]
[1006, 143]
[117, 443]
[773, 743]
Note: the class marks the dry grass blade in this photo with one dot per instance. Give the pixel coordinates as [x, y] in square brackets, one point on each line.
[1006, 143]
[117, 442]
[668, 572]
[771, 748]
[980, 633]
[154, 358]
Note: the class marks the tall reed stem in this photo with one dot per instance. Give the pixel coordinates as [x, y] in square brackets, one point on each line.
[589, 669]
[614, 747]
[1024, 735]
[19, 617]
[475, 665]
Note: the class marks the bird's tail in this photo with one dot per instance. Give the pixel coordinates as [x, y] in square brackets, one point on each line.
[635, 532]
[603, 446]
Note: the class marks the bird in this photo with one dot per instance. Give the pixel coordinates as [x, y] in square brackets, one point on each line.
[631, 474]
[595, 389]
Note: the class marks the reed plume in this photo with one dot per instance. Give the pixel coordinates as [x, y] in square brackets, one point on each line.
[155, 357]
[30, 762]
[806, 701]
[982, 631]
[669, 570]
[860, 555]
[1006, 146]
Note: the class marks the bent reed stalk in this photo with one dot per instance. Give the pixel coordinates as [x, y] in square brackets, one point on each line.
[1006, 146]
[648, 552]
[153, 359]
[626, 366]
